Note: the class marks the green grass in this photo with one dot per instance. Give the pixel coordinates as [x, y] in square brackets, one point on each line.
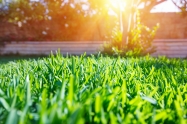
[94, 89]
[5, 59]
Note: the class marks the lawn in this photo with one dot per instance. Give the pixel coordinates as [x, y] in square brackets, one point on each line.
[5, 59]
[93, 89]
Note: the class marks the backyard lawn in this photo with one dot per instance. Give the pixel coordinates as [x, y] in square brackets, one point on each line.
[93, 89]
[5, 59]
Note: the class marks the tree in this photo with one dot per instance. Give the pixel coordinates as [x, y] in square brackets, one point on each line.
[70, 14]
[130, 11]
[182, 5]
[58, 19]
[127, 14]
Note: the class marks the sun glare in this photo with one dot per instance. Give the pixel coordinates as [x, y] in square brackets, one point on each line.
[118, 4]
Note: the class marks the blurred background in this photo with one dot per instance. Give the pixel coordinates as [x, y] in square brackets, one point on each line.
[81, 20]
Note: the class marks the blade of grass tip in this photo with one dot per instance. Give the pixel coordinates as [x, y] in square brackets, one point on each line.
[51, 55]
[14, 81]
[105, 77]
[99, 54]
[174, 81]
[84, 54]
[149, 99]
[152, 70]
[155, 89]
[60, 69]
[14, 102]
[28, 90]
[4, 104]
[161, 115]
[111, 104]
[97, 108]
[73, 65]
[67, 55]
[124, 92]
[50, 68]
[58, 53]
[98, 103]
[44, 100]
[81, 59]
[70, 91]
[1, 92]
[62, 94]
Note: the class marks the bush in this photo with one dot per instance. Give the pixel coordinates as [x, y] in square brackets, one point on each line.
[140, 41]
[114, 46]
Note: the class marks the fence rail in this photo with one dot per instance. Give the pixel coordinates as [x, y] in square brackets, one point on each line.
[45, 48]
[173, 48]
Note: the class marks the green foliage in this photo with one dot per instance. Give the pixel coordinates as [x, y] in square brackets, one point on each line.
[27, 16]
[66, 20]
[140, 39]
[93, 90]
[114, 47]
[139, 43]
[57, 19]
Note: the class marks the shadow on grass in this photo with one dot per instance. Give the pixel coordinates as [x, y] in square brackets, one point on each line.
[8, 58]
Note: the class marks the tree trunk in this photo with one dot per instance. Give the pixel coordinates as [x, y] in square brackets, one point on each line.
[127, 16]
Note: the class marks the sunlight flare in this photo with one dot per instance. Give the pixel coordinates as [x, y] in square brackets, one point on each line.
[118, 4]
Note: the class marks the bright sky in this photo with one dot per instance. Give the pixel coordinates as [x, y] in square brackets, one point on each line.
[167, 6]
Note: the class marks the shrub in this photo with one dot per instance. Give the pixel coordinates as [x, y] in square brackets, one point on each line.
[140, 41]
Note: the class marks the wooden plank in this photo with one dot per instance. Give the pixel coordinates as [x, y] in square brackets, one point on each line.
[48, 52]
[51, 48]
[172, 48]
[171, 56]
[54, 46]
[169, 44]
[170, 40]
[168, 53]
[54, 42]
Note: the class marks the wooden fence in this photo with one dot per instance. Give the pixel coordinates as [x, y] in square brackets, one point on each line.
[173, 48]
[45, 48]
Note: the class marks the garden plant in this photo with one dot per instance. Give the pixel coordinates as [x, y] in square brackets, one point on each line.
[139, 44]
